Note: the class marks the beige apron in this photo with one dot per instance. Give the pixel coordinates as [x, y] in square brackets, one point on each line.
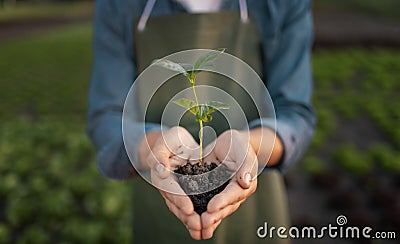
[153, 223]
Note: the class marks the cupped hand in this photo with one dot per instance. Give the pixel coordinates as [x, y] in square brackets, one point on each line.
[171, 149]
[233, 149]
[178, 203]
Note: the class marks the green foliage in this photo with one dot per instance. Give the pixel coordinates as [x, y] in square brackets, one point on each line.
[386, 157]
[207, 60]
[28, 10]
[383, 9]
[205, 110]
[171, 66]
[351, 84]
[4, 233]
[50, 187]
[351, 160]
[202, 112]
[46, 74]
[188, 104]
[313, 164]
[326, 125]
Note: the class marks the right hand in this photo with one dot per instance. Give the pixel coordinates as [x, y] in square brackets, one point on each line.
[171, 149]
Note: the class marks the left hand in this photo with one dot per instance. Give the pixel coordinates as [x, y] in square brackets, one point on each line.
[233, 149]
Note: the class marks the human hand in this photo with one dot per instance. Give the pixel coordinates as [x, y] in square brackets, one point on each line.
[233, 149]
[167, 151]
[178, 203]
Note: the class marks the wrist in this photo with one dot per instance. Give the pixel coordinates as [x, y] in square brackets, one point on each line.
[267, 145]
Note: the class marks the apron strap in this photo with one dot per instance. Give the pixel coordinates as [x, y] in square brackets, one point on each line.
[146, 14]
[244, 16]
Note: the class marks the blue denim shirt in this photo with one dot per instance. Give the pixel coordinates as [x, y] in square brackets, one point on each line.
[285, 27]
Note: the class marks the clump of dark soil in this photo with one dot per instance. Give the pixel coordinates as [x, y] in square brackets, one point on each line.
[200, 185]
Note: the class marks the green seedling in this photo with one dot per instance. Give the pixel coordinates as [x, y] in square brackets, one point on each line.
[202, 112]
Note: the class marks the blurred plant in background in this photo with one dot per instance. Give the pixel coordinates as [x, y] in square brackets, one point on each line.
[353, 166]
[383, 8]
[50, 189]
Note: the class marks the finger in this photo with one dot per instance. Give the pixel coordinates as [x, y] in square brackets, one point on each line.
[195, 234]
[192, 222]
[208, 220]
[176, 161]
[178, 139]
[248, 170]
[190, 150]
[232, 194]
[244, 179]
[208, 233]
[209, 155]
[158, 159]
[183, 203]
[171, 190]
[211, 158]
[186, 139]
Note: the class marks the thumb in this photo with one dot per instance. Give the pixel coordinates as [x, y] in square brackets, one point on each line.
[244, 179]
[248, 170]
[158, 160]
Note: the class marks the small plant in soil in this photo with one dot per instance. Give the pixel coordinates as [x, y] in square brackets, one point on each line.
[192, 177]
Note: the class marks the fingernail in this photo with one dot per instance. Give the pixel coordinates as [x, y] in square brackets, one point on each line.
[247, 178]
[160, 169]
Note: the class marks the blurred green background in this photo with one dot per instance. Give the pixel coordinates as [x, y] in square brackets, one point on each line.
[51, 192]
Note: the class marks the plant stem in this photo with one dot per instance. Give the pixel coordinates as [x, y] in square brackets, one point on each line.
[201, 141]
[200, 123]
[195, 95]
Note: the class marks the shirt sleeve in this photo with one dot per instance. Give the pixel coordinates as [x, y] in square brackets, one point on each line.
[288, 74]
[112, 76]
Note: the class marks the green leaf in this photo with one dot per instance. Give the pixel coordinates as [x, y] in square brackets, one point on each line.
[217, 105]
[207, 59]
[187, 67]
[207, 118]
[205, 110]
[198, 118]
[188, 104]
[191, 73]
[165, 63]
[204, 113]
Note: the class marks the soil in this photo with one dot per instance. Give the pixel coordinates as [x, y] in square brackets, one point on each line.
[201, 186]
